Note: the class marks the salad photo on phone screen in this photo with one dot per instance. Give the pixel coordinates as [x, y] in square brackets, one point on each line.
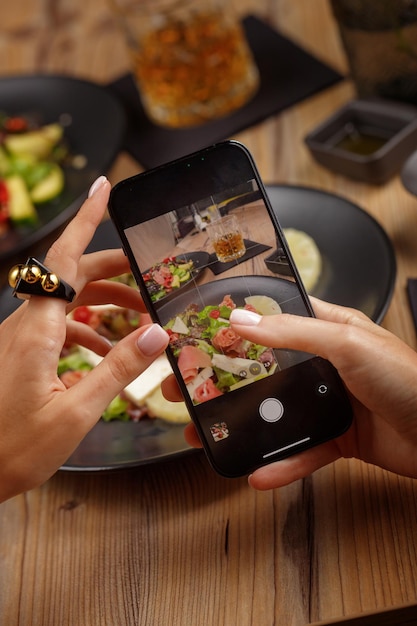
[201, 280]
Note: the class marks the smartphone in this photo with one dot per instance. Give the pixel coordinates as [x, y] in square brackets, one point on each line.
[200, 234]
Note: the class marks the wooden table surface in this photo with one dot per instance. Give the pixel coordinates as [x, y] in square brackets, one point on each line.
[173, 543]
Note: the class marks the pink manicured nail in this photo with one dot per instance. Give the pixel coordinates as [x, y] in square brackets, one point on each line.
[153, 340]
[243, 317]
[96, 185]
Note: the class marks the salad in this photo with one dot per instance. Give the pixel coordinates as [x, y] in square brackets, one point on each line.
[166, 276]
[141, 399]
[212, 358]
[31, 159]
[74, 364]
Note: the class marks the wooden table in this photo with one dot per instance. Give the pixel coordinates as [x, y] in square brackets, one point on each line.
[173, 543]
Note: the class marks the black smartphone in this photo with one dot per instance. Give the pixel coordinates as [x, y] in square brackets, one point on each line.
[201, 237]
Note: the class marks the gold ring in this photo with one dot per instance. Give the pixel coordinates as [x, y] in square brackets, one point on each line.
[34, 279]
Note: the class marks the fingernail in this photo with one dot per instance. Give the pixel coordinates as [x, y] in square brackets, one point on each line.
[96, 185]
[244, 317]
[153, 340]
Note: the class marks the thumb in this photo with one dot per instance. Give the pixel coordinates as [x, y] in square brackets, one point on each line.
[125, 362]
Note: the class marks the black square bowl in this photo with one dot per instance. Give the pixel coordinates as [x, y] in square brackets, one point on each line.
[367, 140]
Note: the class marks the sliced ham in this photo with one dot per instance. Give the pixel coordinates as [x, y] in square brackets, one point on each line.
[226, 340]
[206, 391]
[190, 360]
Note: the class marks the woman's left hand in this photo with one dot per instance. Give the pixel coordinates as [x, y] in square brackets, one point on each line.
[41, 421]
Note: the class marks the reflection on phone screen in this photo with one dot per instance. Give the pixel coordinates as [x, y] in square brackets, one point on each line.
[198, 263]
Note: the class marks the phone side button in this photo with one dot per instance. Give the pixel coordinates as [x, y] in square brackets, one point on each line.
[271, 410]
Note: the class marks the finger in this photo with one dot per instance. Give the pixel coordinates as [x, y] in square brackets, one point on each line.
[284, 472]
[342, 315]
[125, 362]
[83, 335]
[103, 264]
[109, 292]
[171, 390]
[330, 340]
[64, 255]
[191, 436]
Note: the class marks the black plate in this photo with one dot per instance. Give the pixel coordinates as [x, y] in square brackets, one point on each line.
[95, 129]
[409, 174]
[359, 271]
[359, 266]
[213, 293]
[200, 261]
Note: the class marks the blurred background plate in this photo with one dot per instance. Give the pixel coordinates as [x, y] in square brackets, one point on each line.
[94, 128]
[409, 174]
[359, 266]
[359, 270]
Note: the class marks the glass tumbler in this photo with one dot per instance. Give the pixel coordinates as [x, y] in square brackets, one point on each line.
[190, 59]
[380, 41]
[226, 238]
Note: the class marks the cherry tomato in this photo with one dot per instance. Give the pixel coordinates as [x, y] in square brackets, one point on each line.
[215, 314]
[16, 124]
[173, 337]
[82, 314]
[4, 203]
[4, 194]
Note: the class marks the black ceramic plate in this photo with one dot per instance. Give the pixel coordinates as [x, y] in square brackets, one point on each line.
[94, 127]
[359, 267]
[359, 271]
[213, 293]
[409, 174]
[200, 261]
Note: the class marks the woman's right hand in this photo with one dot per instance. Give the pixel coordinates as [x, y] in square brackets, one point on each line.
[379, 371]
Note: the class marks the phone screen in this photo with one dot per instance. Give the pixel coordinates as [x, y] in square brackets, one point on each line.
[203, 239]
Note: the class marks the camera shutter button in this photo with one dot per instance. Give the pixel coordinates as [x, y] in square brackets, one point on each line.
[271, 409]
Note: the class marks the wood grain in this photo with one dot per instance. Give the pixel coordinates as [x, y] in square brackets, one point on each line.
[174, 543]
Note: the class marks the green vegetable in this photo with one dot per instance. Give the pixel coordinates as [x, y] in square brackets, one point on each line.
[48, 187]
[176, 281]
[21, 209]
[225, 380]
[205, 347]
[255, 351]
[73, 361]
[116, 410]
[37, 142]
[37, 172]
[4, 163]
[184, 276]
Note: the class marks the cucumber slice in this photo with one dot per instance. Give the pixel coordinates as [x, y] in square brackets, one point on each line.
[38, 142]
[20, 205]
[4, 163]
[49, 187]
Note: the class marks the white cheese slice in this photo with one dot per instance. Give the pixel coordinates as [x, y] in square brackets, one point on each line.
[149, 380]
[180, 327]
[144, 384]
[245, 368]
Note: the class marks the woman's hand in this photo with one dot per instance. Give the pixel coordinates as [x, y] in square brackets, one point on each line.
[379, 371]
[41, 421]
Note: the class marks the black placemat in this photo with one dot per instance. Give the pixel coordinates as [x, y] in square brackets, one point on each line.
[288, 73]
[253, 248]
